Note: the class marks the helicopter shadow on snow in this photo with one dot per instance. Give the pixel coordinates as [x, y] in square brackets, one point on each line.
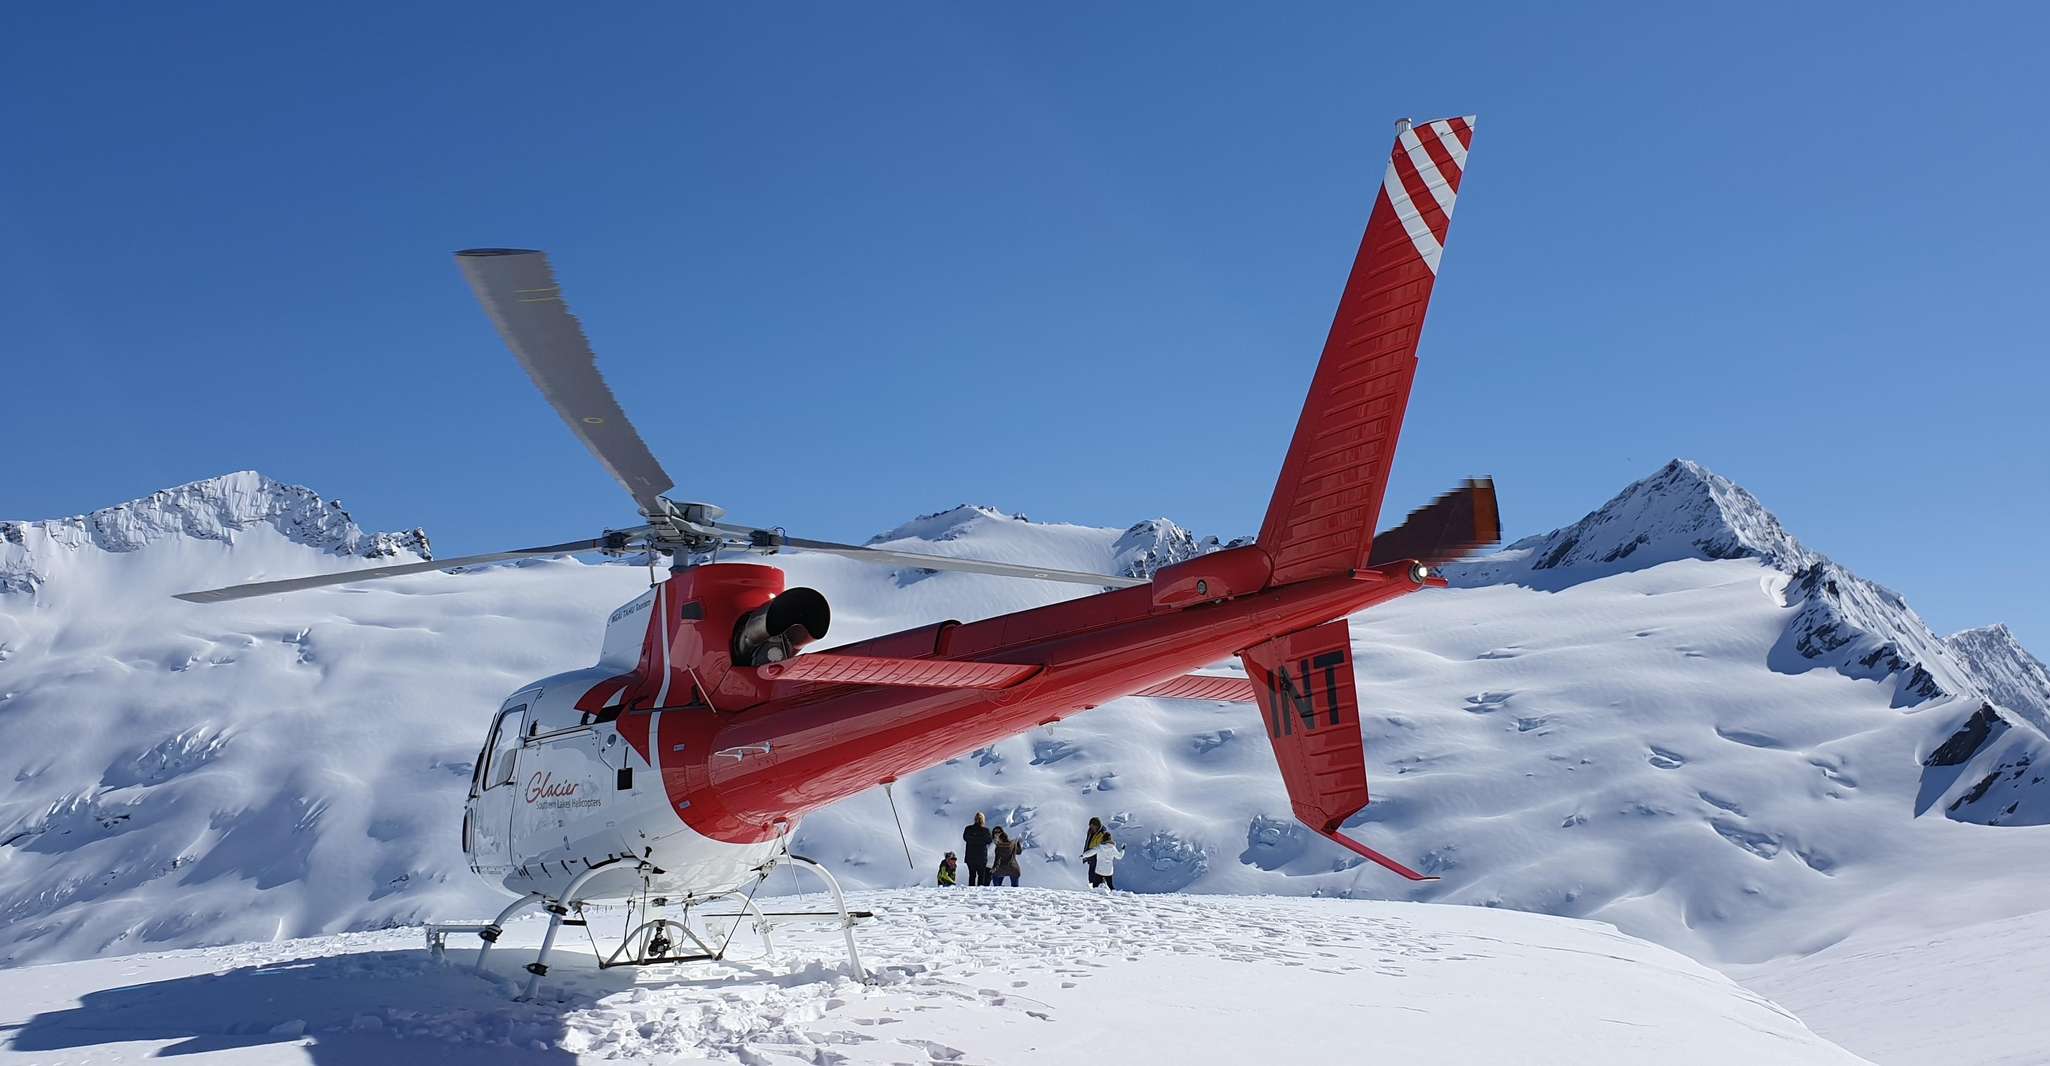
[369, 1008]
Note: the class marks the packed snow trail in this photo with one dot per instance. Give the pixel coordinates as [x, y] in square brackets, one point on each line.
[962, 975]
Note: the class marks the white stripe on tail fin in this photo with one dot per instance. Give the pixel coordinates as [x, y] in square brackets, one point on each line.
[1328, 498]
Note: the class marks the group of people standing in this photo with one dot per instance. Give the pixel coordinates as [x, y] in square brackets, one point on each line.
[1099, 853]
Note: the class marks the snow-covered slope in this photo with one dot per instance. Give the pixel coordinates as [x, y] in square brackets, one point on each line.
[1967, 994]
[1671, 716]
[1016, 976]
[1977, 770]
[1686, 511]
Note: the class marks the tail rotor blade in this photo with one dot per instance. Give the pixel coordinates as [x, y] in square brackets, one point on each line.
[294, 584]
[518, 290]
[1450, 527]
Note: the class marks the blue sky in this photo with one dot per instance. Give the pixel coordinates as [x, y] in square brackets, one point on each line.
[845, 266]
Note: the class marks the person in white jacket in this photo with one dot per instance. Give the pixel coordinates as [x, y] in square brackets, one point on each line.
[1106, 853]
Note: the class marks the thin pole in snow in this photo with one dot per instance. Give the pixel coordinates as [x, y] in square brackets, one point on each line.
[912, 866]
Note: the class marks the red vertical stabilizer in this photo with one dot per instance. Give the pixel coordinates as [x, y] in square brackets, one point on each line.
[1304, 685]
[1321, 520]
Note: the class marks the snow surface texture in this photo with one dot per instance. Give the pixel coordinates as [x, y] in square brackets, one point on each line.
[1890, 992]
[1670, 716]
[986, 976]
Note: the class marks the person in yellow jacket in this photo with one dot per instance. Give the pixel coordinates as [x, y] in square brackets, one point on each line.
[1090, 838]
[949, 873]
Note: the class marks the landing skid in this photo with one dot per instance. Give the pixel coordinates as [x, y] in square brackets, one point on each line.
[653, 939]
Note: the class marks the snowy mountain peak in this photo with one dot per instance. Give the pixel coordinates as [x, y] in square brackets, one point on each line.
[216, 508]
[2006, 671]
[1684, 511]
[1157, 542]
[950, 524]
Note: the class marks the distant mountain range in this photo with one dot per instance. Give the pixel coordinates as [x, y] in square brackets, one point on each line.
[1670, 715]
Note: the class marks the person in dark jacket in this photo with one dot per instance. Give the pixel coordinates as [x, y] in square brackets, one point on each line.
[975, 849]
[1089, 841]
[1006, 864]
[949, 871]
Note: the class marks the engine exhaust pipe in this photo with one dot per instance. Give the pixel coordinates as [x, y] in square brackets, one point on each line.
[774, 631]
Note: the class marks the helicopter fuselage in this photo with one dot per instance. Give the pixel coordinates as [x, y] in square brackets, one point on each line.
[697, 770]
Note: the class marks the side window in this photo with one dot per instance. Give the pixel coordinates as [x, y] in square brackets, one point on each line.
[505, 740]
[554, 715]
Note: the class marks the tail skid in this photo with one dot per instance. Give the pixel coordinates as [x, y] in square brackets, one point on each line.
[1370, 853]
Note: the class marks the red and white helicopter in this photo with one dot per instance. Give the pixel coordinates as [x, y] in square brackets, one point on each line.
[676, 768]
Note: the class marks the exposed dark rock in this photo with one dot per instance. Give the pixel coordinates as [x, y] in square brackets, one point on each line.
[1969, 738]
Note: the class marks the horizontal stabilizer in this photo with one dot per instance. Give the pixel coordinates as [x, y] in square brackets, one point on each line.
[1448, 528]
[1201, 687]
[826, 667]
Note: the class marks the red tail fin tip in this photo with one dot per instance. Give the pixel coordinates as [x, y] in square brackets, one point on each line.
[1321, 519]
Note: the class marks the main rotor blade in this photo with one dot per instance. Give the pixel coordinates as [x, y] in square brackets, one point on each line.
[886, 557]
[517, 288]
[294, 584]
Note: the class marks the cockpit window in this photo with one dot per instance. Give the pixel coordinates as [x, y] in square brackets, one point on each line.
[505, 740]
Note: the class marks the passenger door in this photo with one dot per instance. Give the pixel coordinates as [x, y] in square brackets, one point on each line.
[493, 790]
[564, 790]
